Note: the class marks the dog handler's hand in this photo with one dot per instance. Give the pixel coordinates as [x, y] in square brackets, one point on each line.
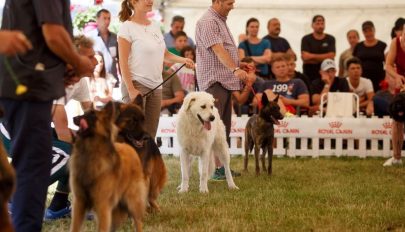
[14, 42]
[399, 82]
[189, 63]
[241, 74]
[133, 93]
[84, 67]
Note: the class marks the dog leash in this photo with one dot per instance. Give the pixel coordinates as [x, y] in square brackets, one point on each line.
[172, 75]
[259, 102]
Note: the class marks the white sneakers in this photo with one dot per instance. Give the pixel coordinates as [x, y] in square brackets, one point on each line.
[392, 161]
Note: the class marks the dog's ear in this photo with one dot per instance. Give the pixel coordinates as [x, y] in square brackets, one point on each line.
[265, 100]
[276, 99]
[112, 109]
[188, 101]
[138, 101]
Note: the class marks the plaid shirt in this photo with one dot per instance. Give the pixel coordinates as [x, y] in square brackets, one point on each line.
[211, 29]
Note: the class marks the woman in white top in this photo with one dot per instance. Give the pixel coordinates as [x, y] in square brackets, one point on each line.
[142, 51]
[101, 84]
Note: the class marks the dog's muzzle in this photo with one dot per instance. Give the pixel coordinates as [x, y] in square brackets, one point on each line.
[206, 124]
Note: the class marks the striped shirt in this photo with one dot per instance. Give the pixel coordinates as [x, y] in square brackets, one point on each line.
[211, 29]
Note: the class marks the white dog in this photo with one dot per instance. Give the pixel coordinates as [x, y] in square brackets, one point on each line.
[201, 133]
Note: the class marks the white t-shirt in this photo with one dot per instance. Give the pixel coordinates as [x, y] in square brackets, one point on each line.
[145, 59]
[78, 91]
[365, 86]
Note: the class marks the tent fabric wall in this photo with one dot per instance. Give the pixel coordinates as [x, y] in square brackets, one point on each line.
[296, 22]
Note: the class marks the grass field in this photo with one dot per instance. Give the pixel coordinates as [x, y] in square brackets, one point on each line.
[304, 194]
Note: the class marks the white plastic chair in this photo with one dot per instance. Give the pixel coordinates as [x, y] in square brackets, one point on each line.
[340, 104]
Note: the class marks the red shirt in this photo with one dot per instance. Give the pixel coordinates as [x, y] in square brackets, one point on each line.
[400, 58]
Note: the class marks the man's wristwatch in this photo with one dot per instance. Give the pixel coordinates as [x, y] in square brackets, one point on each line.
[235, 69]
[326, 86]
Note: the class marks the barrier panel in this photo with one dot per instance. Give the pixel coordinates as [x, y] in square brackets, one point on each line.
[304, 136]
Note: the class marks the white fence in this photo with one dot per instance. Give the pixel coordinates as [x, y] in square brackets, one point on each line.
[305, 136]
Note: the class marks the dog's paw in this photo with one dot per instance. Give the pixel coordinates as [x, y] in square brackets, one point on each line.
[178, 187]
[183, 190]
[202, 190]
[233, 187]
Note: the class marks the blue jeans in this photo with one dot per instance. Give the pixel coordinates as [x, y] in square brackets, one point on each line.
[29, 125]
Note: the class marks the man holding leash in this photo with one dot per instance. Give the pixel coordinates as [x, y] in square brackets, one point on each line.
[218, 68]
[28, 85]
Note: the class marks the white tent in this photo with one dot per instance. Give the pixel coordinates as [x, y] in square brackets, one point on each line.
[295, 17]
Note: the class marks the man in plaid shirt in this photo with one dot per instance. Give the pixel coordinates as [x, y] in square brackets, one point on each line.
[217, 67]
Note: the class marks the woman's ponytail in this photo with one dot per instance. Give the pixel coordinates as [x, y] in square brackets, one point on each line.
[126, 10]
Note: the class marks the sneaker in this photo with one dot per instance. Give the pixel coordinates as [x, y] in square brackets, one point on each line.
[392, 161]
[234, 173]
[59, 214]
[218, 175]
[51, 215]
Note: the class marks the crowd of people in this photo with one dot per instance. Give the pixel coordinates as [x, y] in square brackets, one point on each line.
[139, 57]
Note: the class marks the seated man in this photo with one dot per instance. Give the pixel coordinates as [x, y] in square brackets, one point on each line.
[172, 95]
[293, 92]
[361, 86]
[328, 83]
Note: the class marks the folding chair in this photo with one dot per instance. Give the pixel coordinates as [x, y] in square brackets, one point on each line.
[340, 104]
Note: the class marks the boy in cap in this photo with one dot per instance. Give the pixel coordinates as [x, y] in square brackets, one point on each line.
[329, 82]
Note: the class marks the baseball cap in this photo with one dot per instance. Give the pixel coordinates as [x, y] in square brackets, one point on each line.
[367, 24]
[328, 64]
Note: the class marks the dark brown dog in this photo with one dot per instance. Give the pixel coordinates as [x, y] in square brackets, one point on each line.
[259, 133]
[130, 123]
[105, 176]
[7, 186]
[397, 107]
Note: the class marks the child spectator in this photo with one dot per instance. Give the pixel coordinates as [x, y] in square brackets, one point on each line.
[186, 76]
[293, 92]
[329, 82]
[180, 41]
[243, 100]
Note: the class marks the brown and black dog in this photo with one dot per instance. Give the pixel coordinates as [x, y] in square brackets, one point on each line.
[130, 121]
[7, 187]
[105, 176]
[259, 133]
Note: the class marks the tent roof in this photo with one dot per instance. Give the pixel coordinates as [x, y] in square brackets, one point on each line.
[297, 4]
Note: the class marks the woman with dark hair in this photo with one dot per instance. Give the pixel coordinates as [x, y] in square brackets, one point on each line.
[371, 53]
[396, 69]
[397, 29]
[142, 51]
[101, 84]
[258, 49]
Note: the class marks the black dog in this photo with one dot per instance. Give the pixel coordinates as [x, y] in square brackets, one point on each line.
[259, 133]
[397, 107]
[130, 123]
